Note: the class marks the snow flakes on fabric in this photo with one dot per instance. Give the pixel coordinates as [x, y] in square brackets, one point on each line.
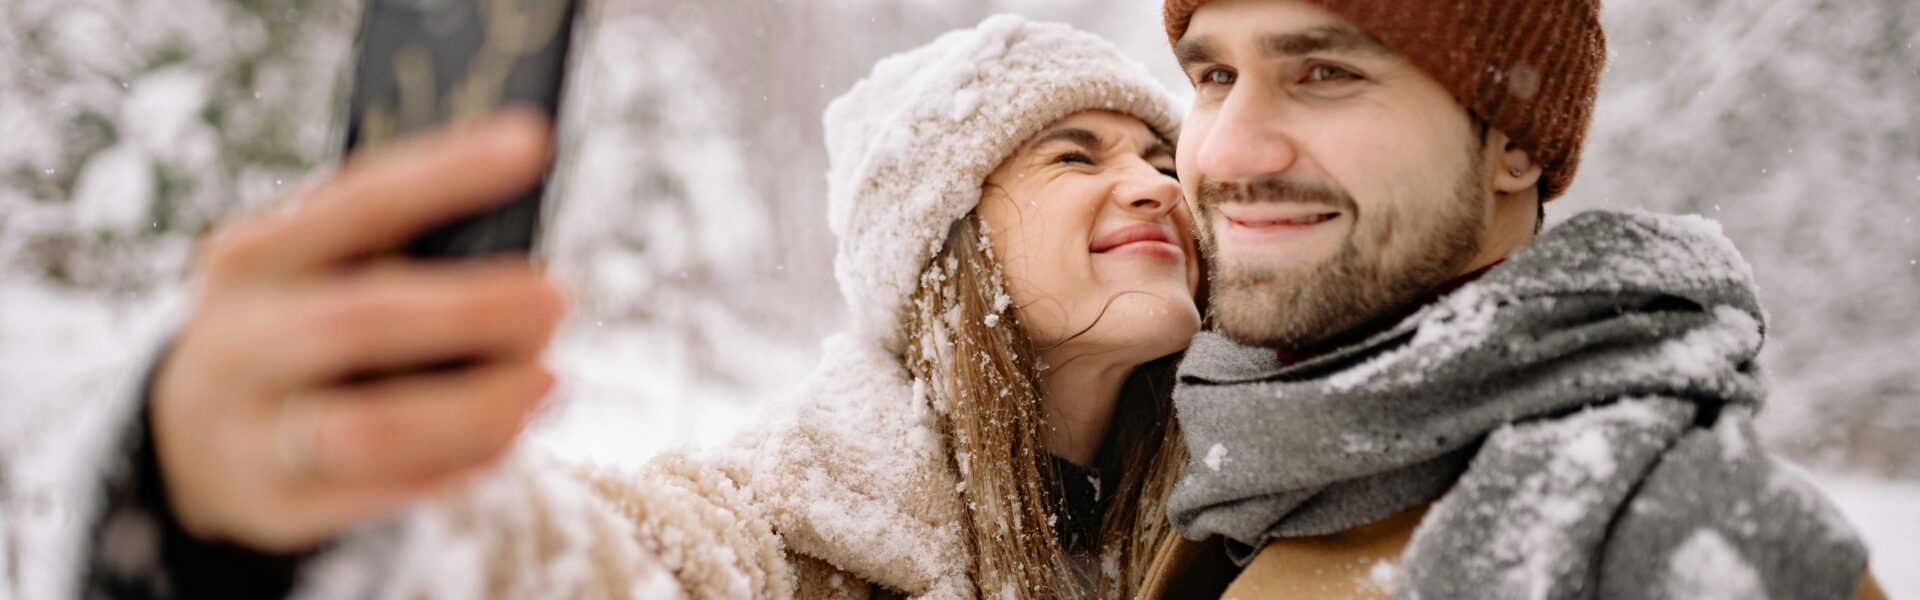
[1216, 457]
[1632, 251]
[531, 530]
[1525, 519]
[1708, 567]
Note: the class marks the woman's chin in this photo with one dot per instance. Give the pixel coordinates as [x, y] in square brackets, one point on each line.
[1154, 319]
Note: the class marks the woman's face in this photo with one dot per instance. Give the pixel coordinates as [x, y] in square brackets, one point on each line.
[1087, 221]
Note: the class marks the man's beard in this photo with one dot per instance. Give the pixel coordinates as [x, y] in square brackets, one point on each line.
[1316, 307]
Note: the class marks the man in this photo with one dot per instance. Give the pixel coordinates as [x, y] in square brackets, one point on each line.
[1407, 392]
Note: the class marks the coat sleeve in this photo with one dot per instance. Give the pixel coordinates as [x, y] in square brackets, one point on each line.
[675, 528]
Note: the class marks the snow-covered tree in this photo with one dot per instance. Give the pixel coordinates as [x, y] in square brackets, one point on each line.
[131, 127]
[1794, 124]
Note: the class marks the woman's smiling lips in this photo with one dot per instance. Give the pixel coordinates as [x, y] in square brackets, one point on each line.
[1147, 239]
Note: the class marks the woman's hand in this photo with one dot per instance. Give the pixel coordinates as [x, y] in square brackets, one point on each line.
[294, 403]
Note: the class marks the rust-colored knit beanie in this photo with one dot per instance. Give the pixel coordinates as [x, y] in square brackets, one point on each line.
[1529, 67]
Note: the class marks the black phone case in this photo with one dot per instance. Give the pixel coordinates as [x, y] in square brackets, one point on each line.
[425, 63]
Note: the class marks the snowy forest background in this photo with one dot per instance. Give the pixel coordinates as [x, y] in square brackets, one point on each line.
[690, 214]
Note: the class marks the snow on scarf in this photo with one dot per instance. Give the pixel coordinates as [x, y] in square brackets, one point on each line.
[1582, 412]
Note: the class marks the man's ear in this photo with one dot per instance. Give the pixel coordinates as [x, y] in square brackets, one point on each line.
[1514, 171]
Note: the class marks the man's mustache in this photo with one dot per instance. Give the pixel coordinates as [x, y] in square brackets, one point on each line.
[1278, 190]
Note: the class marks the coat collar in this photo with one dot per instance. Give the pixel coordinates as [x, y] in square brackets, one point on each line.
[852, 470]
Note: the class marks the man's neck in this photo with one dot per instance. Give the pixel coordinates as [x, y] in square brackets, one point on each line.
[1292, 356]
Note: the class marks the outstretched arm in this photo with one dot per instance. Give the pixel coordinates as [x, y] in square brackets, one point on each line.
[321, 381]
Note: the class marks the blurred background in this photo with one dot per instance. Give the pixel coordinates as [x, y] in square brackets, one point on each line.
[689, 212]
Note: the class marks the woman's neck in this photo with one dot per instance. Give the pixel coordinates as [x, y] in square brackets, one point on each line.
[1080, 396]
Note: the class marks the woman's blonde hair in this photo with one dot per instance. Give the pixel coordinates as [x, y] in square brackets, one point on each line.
[983, 375]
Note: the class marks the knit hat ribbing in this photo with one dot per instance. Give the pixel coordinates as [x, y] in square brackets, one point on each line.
[1529, 67]
[911, 145]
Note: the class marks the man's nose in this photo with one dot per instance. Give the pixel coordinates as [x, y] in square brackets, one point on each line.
[1246, 140]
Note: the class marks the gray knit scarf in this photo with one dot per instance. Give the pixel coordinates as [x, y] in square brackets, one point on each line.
[1582, 413]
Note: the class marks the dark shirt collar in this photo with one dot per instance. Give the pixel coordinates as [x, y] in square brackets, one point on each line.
[1084, 495]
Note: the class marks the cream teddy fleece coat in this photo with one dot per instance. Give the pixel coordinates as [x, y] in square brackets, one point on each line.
[850, 472]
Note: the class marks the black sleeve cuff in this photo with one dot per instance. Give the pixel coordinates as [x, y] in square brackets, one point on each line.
[138, 550]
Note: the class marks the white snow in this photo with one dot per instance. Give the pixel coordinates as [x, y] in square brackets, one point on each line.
[1706, 351]
[115, 190]
[1383, 576]
[1460, 323]
[1734, 443]
[1216, 456]
[1591, 452]
[1708, 567]
[163, 108]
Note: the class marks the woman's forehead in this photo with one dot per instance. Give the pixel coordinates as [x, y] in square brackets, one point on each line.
[1103, 130]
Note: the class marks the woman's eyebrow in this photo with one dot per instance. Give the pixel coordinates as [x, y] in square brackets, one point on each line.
[1084, 138]
[1157, 149]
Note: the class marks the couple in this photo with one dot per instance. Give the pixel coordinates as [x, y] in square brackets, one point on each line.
[1407, 389]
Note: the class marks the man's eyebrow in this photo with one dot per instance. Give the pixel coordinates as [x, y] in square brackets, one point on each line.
[1193, 50]
[1084, 138]
[1325, 38]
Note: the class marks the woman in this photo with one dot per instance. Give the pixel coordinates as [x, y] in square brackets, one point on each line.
[1020, 269]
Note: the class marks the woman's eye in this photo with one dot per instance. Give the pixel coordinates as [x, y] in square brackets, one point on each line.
[1170, 173]
[1329, 73]
[1074, 158]
[1218, 77]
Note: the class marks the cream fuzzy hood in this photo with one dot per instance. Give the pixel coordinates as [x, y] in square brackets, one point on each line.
[911, 144]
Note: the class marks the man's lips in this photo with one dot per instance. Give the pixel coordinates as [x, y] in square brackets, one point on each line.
[1268, 216]
[1139, 235]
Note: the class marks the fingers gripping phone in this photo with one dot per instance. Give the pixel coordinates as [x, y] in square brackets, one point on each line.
[426, 63]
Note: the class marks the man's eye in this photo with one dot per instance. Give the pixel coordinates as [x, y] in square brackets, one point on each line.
[1218, 77]
[1330, 73]
[1175, 175]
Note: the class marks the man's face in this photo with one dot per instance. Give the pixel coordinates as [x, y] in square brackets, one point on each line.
[1337, 184]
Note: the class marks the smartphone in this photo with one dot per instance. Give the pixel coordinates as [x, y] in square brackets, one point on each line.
[426, 63]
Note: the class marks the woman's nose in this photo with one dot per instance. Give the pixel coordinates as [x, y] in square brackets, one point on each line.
[1147, 190]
